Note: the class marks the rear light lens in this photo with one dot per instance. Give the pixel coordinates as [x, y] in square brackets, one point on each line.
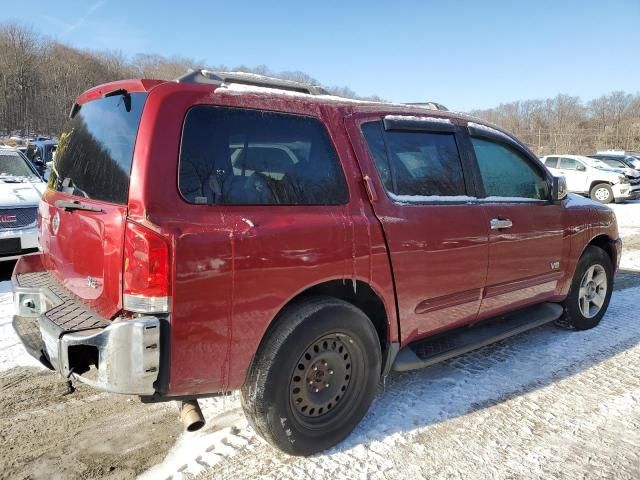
[147, 287]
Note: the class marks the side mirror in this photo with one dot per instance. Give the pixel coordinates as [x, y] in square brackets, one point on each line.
[581, 168]
[559, 189]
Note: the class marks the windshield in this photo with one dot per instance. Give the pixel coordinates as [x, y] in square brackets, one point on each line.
[614, 163]
[94, 155]
[14, 166]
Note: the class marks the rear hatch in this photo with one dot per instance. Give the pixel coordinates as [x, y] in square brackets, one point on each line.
[83, 211]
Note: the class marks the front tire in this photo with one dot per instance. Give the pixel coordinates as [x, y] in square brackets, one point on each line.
[314, 376]
[602, 193]
[590, 290]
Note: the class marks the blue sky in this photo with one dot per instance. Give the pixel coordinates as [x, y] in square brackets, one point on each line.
[464, 54]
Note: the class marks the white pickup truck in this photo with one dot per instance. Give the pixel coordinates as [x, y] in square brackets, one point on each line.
[592, 177]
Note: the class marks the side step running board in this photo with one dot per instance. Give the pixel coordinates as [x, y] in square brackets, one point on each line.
[451, 344]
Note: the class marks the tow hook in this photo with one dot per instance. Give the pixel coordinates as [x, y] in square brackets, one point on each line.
[69, 388]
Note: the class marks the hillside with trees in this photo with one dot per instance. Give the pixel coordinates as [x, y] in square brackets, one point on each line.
[40, 77]
[566, 124]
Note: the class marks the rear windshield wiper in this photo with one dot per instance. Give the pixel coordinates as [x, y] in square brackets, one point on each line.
[126, 96]
[69, 206]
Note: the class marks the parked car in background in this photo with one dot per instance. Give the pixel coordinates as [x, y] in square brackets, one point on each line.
[630, 159]
[619, 165]
[592, 177]
[308, 247]
[20, 190]
[42, 154]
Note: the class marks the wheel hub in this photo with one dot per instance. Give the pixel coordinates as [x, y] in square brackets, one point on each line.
[322, 376]
[593, 291]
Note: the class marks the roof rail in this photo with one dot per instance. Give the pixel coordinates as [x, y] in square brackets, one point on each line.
[429, 105]
[218, 78]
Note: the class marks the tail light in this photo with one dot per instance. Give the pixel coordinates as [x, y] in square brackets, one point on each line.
[147, 284]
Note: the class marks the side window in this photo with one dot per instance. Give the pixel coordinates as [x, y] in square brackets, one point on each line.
[551, 162]
[419, 164]
[507, 173]
[568, 163]
[374, 137]
[239, 156]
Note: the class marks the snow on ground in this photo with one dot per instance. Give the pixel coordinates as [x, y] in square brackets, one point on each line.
[547, 403]
[628, 216]
[12, 353]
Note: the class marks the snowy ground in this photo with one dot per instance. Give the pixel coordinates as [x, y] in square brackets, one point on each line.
[549, 403]
[628, 215]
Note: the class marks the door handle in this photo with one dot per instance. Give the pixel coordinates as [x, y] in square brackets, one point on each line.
[497, 223]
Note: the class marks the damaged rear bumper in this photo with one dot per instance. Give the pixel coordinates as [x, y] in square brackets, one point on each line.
[120, 356]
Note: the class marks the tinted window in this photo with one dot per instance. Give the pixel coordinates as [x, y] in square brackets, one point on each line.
[507, 173]
[568, 163]
[94, 155]
[419, 163]
[235, 156]
[551, 162]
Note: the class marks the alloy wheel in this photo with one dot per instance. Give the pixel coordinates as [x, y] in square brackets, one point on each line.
[593, 291]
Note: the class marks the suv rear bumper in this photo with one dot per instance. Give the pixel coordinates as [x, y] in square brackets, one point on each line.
[120, 356]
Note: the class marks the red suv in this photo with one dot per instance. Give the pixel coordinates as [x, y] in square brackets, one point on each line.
[229, 231]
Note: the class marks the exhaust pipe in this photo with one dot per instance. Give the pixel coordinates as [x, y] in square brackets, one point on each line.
[191, 415]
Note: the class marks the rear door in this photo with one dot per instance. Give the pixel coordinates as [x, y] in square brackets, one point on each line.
[435, 230]
[525, 228]
[83, 211]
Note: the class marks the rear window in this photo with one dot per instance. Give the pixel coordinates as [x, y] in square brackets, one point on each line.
[94, 155]
[238, 156]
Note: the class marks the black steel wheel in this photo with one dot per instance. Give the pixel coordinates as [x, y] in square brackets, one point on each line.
[322, 376]
[314, 376]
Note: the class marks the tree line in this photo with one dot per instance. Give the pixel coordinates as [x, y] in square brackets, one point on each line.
[40, 77]
[566, 124]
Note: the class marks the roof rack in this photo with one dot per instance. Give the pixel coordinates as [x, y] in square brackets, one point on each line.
[218, 78]
[429, 105]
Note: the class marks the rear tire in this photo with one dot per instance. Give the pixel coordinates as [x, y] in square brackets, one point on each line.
[602, 193]
[314, 376]
[590, 290]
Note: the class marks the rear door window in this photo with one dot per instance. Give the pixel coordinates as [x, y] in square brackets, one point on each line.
[240, 156]
[551, 162]
[416, 165]
[94, 155]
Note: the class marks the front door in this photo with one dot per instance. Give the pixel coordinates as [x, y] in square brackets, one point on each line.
[525, 227]
[435, 231]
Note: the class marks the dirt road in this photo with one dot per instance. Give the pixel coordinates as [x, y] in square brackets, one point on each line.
[84, 435]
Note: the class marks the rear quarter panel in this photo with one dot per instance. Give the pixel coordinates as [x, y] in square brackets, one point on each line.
[235, 267]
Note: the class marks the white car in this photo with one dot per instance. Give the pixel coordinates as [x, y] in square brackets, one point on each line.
[20, 190]
[591, 177]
